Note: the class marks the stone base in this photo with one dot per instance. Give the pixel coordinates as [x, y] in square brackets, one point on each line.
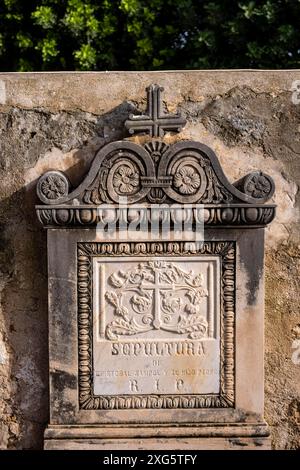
[202, 437]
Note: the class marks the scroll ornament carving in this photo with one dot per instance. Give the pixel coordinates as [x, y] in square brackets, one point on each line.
[166, 175]
[176, 181]
[186, 172]
[152, 291]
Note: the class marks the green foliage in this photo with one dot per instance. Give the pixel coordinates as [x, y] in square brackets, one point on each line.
[44, 16]
[148, 34]
[86, 57]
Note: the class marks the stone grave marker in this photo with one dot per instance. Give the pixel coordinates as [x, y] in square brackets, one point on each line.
[156, 296]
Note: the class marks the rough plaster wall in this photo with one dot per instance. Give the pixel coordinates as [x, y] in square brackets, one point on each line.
[57, 121]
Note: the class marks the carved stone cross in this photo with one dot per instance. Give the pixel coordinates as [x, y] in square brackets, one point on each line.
[155, 122]
[156, 288]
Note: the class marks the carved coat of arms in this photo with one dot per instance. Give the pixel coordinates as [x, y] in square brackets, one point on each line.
[157, 295]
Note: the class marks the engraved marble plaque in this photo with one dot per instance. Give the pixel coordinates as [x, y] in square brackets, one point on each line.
[156, 325]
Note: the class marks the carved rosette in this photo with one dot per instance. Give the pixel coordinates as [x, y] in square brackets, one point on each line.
[126, 178]
[85, 254]
[52, 187]
[187, 179]
[257, 185]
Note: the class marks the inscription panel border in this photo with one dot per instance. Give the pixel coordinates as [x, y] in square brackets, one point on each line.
[85, 254]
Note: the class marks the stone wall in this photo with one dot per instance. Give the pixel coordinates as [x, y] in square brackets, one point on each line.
[251, 119]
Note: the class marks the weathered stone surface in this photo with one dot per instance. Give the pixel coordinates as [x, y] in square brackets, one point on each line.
[56, 121]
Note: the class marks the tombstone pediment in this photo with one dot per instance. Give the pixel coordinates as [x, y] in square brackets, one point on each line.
[185, 172]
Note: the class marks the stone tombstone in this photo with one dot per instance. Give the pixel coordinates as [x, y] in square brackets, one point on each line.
[156, 296]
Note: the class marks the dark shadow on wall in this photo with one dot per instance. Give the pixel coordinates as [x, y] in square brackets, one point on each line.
[28, 135]
[24, 308]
